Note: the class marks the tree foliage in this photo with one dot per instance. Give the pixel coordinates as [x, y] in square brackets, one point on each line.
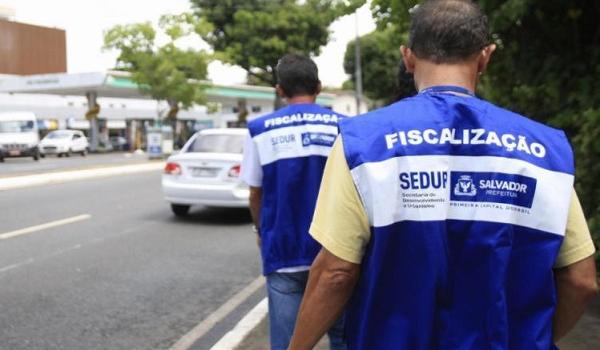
[380, 58]
[546, 67]
[254, 34]
[164, 72]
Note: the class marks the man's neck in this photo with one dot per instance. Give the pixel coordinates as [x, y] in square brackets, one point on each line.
[428, 74]
[302, 99]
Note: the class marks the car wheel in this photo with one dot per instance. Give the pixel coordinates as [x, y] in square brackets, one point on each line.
[69, 152]
[180, 209]
[36, 156]
[84, 152]
[42, 155]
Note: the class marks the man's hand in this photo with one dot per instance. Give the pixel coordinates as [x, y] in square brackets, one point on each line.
[330, 285]
[576, 285]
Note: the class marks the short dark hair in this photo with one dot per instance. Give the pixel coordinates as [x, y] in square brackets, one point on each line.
[448, 31]
[297, 75]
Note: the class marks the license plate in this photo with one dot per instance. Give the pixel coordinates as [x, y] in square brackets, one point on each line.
[14, 152]
[204, 172]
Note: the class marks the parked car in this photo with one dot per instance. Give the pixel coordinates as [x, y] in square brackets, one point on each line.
[64, 142]
[18, 135]
[206, 172]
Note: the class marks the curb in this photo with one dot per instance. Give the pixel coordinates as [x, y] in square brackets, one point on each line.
[14, 182]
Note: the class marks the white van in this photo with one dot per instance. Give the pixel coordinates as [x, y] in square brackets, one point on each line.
[19, 135]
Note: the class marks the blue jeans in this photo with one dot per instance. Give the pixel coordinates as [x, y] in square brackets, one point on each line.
[285, 291]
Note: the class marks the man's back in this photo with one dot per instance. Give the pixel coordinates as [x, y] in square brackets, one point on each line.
[292, 144]
[462, 201]
[454, 212]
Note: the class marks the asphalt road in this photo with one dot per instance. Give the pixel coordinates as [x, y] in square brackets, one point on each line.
[129, 276]
[20, 166]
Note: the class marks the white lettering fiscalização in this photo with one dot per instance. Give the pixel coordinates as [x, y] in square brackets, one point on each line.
[465, 137]
[299, 117]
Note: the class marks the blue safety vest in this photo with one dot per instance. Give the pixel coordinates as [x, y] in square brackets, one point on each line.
[293, 144]
[467, 204]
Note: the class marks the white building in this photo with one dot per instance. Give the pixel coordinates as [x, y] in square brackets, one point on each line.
[62, 100]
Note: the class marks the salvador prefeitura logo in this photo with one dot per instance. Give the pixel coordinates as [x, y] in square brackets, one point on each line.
[491, 187]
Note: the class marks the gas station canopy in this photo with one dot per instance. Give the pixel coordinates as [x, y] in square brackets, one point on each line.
[119, 85]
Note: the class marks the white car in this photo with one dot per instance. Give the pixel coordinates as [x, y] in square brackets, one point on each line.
[18, 135]
[207, 172]
[64, 142]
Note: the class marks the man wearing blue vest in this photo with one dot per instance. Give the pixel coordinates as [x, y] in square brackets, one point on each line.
[284, 158]
[446, 221]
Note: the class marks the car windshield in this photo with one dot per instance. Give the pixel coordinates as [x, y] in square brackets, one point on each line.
[16, 126]
[217, 143]
[58, 135]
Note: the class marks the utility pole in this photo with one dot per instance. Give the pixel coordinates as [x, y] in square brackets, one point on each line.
[357, 67]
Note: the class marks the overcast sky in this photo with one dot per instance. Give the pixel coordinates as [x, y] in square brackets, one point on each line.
[85, 21]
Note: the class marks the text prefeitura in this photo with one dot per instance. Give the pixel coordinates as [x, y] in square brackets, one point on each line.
[300, 117]
[465, 137]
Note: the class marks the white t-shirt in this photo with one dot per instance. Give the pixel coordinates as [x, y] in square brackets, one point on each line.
[251, 172]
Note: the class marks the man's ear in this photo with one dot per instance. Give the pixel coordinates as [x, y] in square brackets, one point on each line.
[319, 88]
[409, 58]
[279, 91]
[484, 57]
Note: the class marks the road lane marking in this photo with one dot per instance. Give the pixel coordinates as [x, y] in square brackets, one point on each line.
[45, 226]
[32, 260]
[9, 183]
[219, 314]
[236, 336]
[17, 265]
[64, 251]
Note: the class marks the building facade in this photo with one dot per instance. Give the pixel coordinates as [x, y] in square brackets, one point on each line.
[28, 49]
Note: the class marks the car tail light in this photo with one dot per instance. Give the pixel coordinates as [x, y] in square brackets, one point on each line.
[234, 171]
[172, 169]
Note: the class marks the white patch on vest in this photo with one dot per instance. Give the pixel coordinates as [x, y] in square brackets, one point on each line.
[414, 188]
[286, 142]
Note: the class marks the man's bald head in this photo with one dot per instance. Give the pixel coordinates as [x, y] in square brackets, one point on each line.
[448, 31]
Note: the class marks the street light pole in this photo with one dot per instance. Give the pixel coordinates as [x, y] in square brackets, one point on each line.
[357, 67]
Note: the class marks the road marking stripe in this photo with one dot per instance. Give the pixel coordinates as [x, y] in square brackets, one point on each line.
[17, 265]
[45, 226]
[14, 182]
[236, 336]
[66, 250]
[219, 314]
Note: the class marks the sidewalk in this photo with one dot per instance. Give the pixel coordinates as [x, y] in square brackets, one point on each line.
[585, 336]
[14, 182]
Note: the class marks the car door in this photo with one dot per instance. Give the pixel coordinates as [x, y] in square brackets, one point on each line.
[76, 143]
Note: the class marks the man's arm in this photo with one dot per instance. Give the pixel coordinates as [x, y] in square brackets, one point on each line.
[255, 204]
[330, 284]
[576, 285]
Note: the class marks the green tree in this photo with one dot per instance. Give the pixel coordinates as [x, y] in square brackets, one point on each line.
[546, 67]
[550, 53]
[164, 72]
[380, 57]
[254, 34]
[395, 12]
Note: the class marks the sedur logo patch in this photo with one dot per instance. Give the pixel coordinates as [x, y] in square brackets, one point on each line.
[318, 139]
[503, 188]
